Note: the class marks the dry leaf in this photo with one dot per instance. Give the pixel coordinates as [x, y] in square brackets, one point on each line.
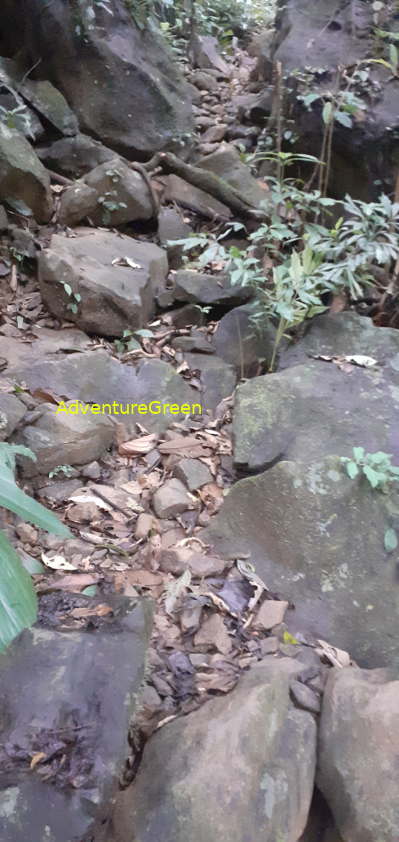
[144, 578]
[96, 610]
[37, 758]
[74, 582]
[135, 447]
[57, 562]
[337, 657]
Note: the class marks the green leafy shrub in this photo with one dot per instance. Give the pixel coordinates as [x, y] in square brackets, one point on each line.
[376, 467]
[18, 605]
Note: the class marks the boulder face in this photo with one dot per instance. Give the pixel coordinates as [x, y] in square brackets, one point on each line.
[359, 733]
[22, 175]
[315, 39]
[113, 297]
[118, 79]
[316, 538]
[185, 787]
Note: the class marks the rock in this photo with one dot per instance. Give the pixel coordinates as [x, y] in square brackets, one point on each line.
[227, 164]
[197, 287]
[359, 733]
[97, 378]
[328, 559]
[50, 104]
[309, 34]
[217, 378]
[204, 81]
[309, 410]
[60, 438]
[23, 241]
[25, 121]
[3, 219]
[76, 203]
[214, 134]
[305, 697]
[60, 491]
[205, 49]
[344, 334]
[113, 298]
[110, 70]
[187, 196]
[207, 148]
[122, 194]
[213, 635]
[27, 533]
[74, 156]
[144, 524]
[270, 614]
[171, 226]
[197, 341]
[22, 176]
[261, 108]
[91, 471]
[12, 412]
[193, 473]
[263, 792]
[239, 132]
[100, 670]
[171, 499]
[238, 342]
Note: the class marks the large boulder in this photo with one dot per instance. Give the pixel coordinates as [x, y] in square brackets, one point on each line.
[63, 437]
[113, 297]
[46, 100]
[117, 77]
[317, 538]
[227, 164]
[22, 175]
[316, 406]
[312, 40]
[185, 789]
[123, 195]
[94, 377]
[63, 744]
[74, 156]
[359, 734]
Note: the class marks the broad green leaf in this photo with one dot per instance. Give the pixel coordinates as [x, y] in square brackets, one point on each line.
[390, 540]
[352, 470]
[18, 603]
[15, 500]
[393, 56]
[326, 113]
[91, 590]
[343, 118]
[374, 477]
[358, 453]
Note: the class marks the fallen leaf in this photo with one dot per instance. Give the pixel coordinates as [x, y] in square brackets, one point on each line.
[57, 562]
[74, 582]
[96, 610]
[144, 578]
[175, 590]
[135, 447]
[337, 657]
[37, 758]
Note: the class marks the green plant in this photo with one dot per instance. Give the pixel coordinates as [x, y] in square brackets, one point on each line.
[18, 606]
[376, 467]
[67, 470]
[75, 297]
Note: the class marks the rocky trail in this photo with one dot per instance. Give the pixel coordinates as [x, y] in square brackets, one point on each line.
[215, 652]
